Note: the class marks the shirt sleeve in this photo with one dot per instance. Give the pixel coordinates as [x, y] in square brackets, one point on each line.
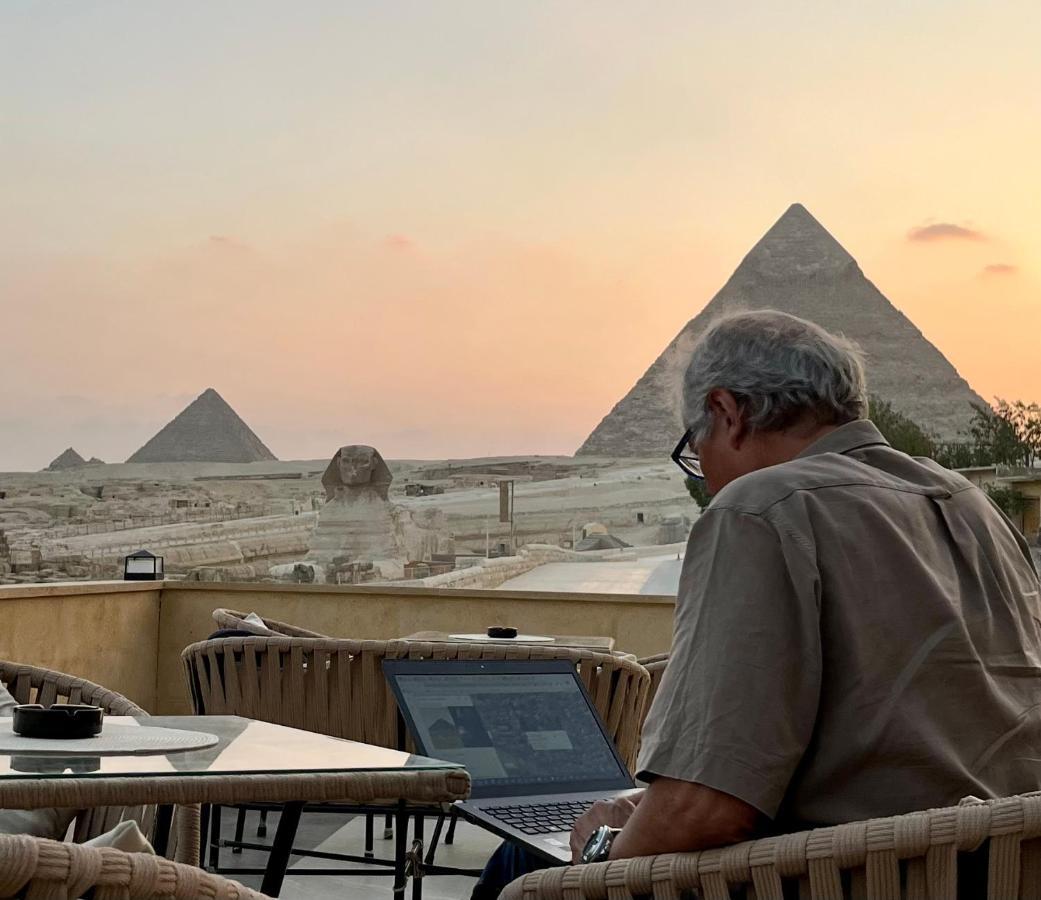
[738, 701]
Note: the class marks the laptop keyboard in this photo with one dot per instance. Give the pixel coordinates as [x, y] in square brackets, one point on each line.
[541, 818]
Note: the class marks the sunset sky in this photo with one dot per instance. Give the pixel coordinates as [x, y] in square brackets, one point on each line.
[464, 229]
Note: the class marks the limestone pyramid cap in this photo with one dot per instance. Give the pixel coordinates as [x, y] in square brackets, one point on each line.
[796, 245]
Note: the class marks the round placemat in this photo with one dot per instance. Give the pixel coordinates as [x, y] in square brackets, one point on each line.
[519, 639]
[114, 740]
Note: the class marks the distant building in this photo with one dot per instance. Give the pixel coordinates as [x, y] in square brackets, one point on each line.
[1025, 483]
[423, 490]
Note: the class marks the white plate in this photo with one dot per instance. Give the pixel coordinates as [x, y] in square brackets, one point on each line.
[519, 639]
[114, 740]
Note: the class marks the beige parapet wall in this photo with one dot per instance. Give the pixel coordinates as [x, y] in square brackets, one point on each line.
[104, 631]
[129, 637]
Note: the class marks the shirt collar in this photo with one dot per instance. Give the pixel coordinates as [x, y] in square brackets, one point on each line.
[845, 438]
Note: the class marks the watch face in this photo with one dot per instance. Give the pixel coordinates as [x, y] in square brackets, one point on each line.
[598, 845]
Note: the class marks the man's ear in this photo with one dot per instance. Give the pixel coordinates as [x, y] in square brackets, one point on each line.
[724, 404]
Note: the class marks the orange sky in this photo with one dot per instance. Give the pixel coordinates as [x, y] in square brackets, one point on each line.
[453, 230]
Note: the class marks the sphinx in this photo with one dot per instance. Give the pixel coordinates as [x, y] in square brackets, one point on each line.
[357, 523]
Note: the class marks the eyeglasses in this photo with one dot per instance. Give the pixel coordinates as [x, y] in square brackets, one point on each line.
[686, 458]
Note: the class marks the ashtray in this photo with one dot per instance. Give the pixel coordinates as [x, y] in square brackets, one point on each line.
[502, 631]
[61, 721]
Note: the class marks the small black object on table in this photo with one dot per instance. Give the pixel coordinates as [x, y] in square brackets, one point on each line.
[60, 721]
[502, 631]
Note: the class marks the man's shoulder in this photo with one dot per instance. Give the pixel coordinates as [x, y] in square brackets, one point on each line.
[833, 474]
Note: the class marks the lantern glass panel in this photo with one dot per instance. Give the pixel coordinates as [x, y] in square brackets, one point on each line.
[141, 565]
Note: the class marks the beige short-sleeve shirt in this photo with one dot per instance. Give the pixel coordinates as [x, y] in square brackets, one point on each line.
[857, 634]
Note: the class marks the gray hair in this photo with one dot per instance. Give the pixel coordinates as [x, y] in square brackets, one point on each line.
[779, 367]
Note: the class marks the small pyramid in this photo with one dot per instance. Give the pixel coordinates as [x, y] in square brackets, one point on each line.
[207, 430]
[70, 459]
[799, 268]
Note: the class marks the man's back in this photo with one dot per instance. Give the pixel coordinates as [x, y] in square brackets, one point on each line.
[857, 636]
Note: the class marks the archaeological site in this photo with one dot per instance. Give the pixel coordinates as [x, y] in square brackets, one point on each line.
[208, 495]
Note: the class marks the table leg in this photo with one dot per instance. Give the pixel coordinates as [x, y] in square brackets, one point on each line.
[278, 861]
[204, 824]
[161, 829]
[400, 851]
[432, 849]
[369, 834]
[215, 836]
[240, 827]
[417, 875]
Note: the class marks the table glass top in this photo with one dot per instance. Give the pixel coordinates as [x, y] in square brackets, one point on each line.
[244, 747]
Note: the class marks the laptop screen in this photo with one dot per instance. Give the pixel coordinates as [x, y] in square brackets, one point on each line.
[518, 729]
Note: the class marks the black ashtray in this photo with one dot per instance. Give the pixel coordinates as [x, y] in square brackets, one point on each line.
[61, 721]
[502, 631]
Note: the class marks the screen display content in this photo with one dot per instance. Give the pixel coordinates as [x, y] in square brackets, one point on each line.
[530, 729]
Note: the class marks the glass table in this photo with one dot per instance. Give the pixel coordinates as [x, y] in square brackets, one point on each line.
[252, 762]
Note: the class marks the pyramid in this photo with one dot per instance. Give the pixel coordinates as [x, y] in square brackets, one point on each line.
[798, 268]
[207, 430]
[70, 459]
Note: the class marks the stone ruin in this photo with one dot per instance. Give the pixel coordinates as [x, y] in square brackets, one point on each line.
[360, 534]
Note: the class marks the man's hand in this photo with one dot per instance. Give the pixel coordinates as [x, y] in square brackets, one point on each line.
[668, 817]
[614, 812]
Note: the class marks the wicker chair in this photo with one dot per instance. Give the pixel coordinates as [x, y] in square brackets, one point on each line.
[913, 856]
[32, 684]
[336, 687]
[37, 868]
[656, 666]
[234, 620]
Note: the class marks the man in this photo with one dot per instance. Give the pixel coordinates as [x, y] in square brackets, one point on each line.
[856, 631]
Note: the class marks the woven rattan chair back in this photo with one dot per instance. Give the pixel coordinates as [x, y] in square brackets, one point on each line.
[232, 619]
[32, 684]
[910, 857]
[655, 665]
[49, 870]
[337, 687]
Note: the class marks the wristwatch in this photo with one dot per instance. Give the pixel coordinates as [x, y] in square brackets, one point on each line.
[598, 847]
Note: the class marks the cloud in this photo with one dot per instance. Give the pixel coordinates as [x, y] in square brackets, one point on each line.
[400, 242]
[1000, 269]
[943, 231]
[224, 242]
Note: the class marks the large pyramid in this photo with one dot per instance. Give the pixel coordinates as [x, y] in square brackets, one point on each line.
[799, 268]
[207, 430]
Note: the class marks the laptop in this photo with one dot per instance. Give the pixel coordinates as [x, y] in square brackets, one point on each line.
[528, 734]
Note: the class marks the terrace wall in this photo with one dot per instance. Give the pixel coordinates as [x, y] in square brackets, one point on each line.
[104, 631]
[129, 637]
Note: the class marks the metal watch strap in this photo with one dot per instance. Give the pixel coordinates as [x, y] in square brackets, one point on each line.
[598, 848]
